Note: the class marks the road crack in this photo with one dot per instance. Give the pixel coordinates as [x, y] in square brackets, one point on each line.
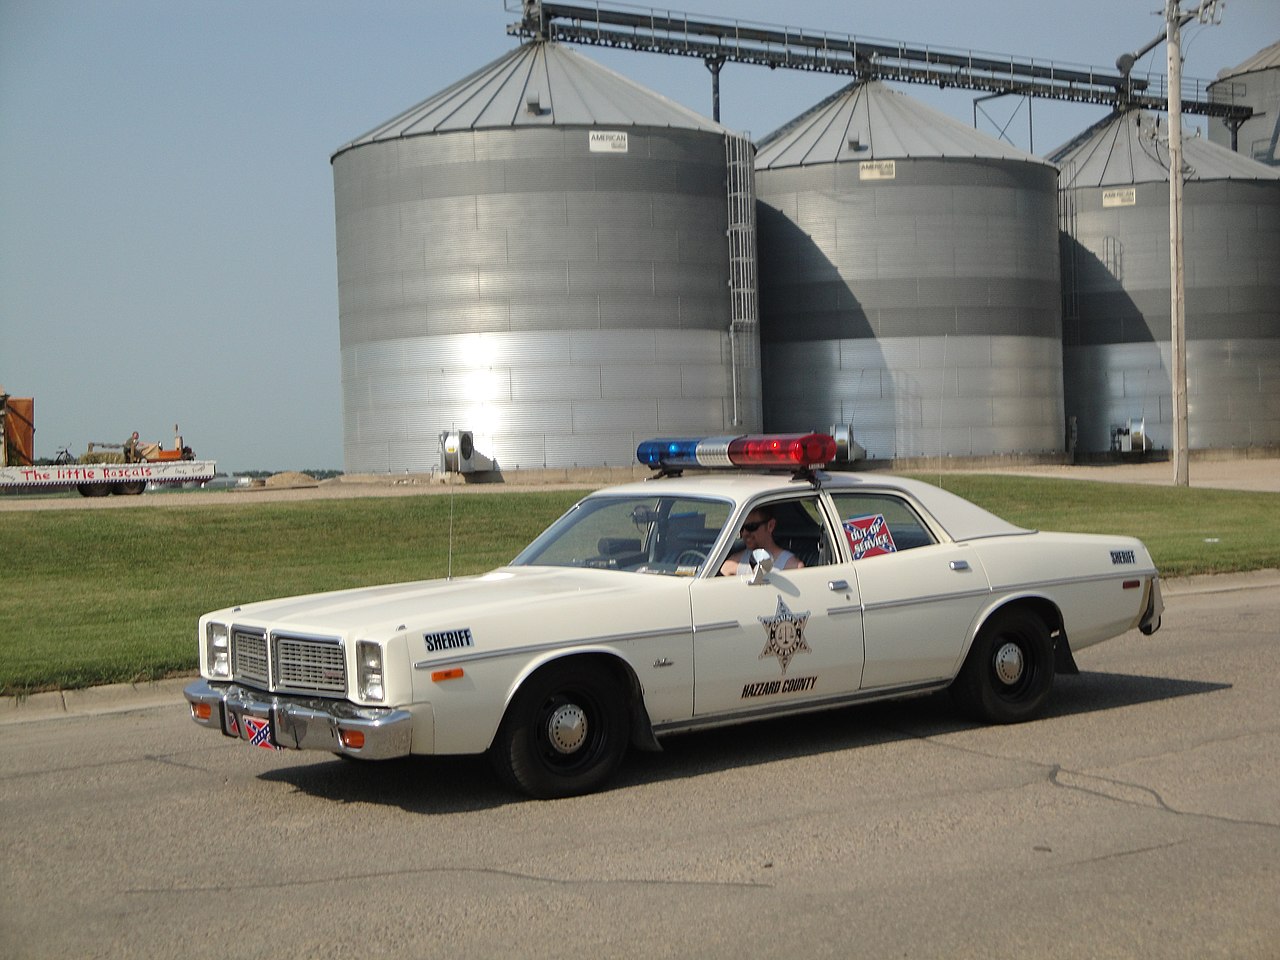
[429, 871]
[1120, 791]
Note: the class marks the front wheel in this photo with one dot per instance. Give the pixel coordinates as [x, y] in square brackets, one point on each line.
[1009, 671]
[565, 732]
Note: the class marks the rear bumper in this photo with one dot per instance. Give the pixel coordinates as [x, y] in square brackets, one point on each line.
[1150, 621]
[297, 723]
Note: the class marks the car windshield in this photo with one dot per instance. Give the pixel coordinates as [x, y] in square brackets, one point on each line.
[650, 534]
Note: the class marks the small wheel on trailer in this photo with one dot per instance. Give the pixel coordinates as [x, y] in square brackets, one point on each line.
[129, 488]
[564, 733]
[93, 489]
[1009, 671]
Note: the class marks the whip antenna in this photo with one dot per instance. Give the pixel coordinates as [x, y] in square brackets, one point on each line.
[449, 570]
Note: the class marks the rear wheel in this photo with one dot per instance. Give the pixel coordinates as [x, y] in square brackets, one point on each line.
[129, 488]
[94, 489]
[1009, 671]
[565, 732]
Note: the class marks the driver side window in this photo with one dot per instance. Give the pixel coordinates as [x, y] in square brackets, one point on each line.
[799, 528]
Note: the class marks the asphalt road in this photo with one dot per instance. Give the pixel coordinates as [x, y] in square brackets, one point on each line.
[1140, 818]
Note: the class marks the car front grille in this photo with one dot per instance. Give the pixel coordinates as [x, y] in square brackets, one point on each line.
[280, 662]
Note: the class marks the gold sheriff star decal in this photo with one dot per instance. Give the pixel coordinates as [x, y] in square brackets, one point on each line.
[785, 632]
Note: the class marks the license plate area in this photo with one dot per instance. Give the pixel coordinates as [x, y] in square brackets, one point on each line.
[256, 731]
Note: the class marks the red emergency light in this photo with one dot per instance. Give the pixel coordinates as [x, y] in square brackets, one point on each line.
[787, 450]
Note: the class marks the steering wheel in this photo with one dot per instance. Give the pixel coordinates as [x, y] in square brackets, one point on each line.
[688, 558]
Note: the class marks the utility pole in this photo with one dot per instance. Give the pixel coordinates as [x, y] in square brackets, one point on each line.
[1206, 12]
[1177, 279]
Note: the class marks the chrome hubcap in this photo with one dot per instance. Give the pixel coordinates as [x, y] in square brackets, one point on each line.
[1009, 664]
[567, 728]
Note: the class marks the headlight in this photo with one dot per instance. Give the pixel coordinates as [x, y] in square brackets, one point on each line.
[217, 648]
[369, 670]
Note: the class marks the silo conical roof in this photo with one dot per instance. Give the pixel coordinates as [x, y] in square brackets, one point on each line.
[538, 84]
[868, 121]
[1127, 148]
[1268, 58]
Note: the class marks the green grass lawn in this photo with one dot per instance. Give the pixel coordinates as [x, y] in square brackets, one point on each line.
[101, 596]
[1187, 530]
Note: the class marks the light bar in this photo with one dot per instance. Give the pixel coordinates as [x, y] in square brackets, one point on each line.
[792, 450]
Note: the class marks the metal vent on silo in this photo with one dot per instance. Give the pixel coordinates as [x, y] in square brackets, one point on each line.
[909, 281]
[1116, 282]
[544, 254]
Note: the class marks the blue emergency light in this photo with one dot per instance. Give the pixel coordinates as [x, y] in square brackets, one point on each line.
[790, 450]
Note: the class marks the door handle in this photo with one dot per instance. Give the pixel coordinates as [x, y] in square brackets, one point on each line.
[959, 564]
[838, 586]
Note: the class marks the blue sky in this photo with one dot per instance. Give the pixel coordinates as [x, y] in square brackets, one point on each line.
[166, 200]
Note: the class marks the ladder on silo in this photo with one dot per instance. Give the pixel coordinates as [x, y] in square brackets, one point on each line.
[744, 301]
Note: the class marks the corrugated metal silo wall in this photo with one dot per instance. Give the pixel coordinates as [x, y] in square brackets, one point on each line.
[923, 310]
[1117, 357]
[1259, 136]
[562, 304]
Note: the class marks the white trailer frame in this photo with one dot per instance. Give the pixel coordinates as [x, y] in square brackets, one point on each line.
[99, 479]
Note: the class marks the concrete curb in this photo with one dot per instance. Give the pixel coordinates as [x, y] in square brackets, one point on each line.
[123, 697]
[92, 701]
[1220, 583]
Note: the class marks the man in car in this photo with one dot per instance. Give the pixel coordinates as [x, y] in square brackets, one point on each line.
[757, 534]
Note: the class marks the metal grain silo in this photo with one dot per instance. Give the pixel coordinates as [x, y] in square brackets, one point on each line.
[542, 254]
[909, 281]
[1254, 83]
[1116, 328]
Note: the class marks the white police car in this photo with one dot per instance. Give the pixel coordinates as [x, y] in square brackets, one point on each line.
[619, 624]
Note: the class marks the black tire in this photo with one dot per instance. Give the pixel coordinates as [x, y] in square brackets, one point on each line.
[1009, 671]
[129, 488]
[565, 732]
[94, 489]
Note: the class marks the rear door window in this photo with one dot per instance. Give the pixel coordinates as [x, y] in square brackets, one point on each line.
[876, 524]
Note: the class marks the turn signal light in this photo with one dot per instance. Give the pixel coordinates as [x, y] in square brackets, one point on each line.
[453, 674]
[202, 711]
[352, 739]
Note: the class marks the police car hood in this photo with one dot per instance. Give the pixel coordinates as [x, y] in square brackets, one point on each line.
[508, 604]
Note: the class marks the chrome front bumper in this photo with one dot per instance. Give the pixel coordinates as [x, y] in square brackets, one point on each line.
[298, 723]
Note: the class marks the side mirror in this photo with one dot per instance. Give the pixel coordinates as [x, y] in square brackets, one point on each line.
[643, 516]
[761, 567]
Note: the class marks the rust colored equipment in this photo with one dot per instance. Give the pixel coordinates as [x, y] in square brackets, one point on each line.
[17, 430]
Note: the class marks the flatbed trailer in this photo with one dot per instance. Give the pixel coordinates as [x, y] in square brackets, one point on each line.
[103, 479]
